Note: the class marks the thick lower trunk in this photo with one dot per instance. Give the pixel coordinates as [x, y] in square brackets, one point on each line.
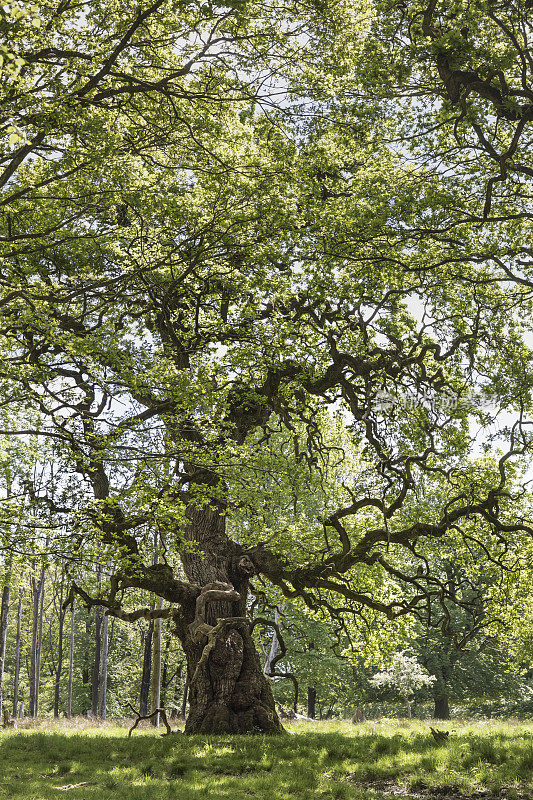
[440, 696]
[228, 692]
[442, 707]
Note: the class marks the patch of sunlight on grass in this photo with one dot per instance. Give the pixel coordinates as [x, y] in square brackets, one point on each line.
[324, 761]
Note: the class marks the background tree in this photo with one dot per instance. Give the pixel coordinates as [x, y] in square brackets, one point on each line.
[405, 675]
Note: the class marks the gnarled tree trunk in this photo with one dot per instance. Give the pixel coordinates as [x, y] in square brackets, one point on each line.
[228, 692]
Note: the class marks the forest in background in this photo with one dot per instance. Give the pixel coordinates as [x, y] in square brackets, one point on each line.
[65, 662]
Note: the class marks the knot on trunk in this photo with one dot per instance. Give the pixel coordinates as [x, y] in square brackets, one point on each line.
[211, 592]
[245, 566]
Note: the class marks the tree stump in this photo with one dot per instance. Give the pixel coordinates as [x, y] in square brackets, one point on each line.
[8, 722]
[358, 716]
[440, 736]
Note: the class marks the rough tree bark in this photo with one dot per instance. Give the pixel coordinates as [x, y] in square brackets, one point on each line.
[228, 692]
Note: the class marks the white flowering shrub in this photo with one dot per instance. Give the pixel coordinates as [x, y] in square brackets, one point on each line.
[405, 675]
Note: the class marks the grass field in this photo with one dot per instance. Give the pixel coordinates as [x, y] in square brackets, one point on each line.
[333, 761]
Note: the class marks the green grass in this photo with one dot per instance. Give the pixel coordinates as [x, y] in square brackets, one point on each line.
[332, 761]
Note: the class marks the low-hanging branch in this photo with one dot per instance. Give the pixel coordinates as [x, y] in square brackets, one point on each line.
[140, 717]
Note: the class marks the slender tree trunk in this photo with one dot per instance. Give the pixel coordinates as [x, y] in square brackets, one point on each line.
[273, 651]
[4, 612]
[147, 667]
[57, 682]
[185, 697]
[36, 641]
[155, 681]
[409, 712]
[311, 702]
[165, 680]
[176, 693]
[17, 654]
[71, 659]
[95, 685]
[86, 670]
[228, 692]
[102, 700]
[39, 645]
[4, 615]
[95, 672]
[155, 685]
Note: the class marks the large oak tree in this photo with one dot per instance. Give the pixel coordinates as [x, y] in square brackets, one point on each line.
[223, 275]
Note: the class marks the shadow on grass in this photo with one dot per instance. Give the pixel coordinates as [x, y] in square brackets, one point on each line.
[307, 763]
